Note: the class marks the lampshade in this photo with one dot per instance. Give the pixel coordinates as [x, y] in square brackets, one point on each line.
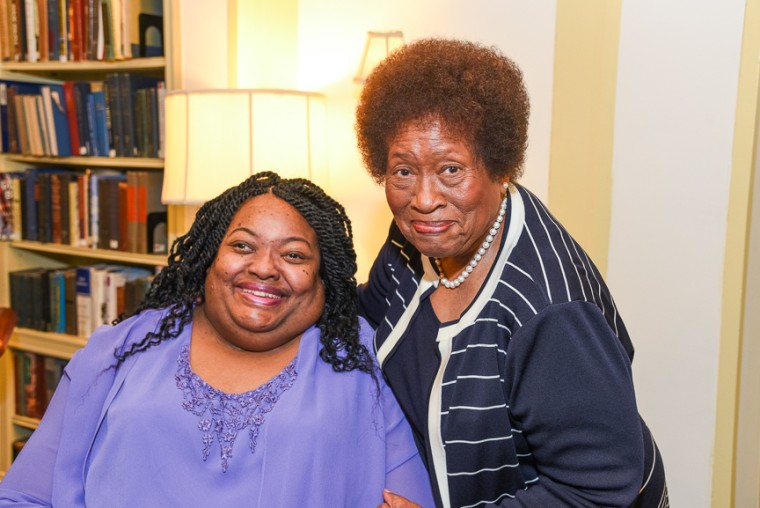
[215, 139]
[379, 45]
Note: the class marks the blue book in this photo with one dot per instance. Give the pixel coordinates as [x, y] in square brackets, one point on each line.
[101, 123]
[84, 301]
[60, 120]
[57, 301]
[29, 205]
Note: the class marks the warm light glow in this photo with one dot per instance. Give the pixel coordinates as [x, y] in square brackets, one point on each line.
[217, 138]
[378, 46]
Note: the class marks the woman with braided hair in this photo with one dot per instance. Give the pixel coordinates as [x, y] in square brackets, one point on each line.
[244, 378]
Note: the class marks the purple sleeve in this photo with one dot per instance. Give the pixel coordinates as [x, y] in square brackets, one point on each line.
[406, 475]
[571, 393]
[29, 481]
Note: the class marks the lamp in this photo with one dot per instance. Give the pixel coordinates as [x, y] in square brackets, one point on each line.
[215, 139]
[379, 45]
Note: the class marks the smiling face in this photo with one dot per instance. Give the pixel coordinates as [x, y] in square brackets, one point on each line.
[442, 198]
[263, 289]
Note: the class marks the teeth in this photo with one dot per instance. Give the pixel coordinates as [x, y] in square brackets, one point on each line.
[260, 293]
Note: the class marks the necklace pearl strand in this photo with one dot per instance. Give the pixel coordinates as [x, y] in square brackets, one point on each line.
[453, 284]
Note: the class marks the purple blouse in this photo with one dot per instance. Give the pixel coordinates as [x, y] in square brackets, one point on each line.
[152, 433]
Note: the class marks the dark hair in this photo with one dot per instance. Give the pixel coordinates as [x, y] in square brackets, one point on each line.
[181, 284]
[474, 91]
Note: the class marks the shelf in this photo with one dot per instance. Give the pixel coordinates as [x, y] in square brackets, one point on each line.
[91, 162]
[87, 66]
[105, 254]
[25, 421]
[46, 343]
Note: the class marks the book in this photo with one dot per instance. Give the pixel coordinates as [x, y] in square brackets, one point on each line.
[53, 31]
[57, 301]
[38, 292]
[111, 93]
[16, 211]
[60, 121]
[84, 301]
[74, 232]
[19, 295]
[128, 86]
[5, 40]
[71, 117]
[81, 90]
[42, 28]
[64, 180]
[8, 124]
[116, 280]
[64, 45]
[29, 204]
[47, 107]
[131, 212]
[101, 122]
[83, 195]
[15, 30]
[52, 375]
[156, 214]
[76, 29]
[70, 298]
[19, 382]
[56, 219]
[30, 16]
[134, 293]
[35, 391]
[109, 208]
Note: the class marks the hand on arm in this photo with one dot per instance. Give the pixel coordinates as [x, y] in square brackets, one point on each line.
[392, 500]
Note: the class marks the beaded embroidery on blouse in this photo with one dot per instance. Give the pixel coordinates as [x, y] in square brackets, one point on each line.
[222, 414]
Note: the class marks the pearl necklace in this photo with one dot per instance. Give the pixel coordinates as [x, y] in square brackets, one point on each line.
[452, 284]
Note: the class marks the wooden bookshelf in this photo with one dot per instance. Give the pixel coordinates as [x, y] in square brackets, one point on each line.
[90, 162]
[157, 64]
[86, 253]
[22, 254]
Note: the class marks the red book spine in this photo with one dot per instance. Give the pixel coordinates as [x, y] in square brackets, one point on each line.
[71, 116]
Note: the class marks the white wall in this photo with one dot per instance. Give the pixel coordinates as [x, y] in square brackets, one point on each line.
[331, 40]
[676, 100]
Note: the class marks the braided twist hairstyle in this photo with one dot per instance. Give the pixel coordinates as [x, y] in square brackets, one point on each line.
[181, 284]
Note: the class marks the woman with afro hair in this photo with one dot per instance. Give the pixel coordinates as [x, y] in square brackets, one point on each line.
[494, 329]
[243, 379]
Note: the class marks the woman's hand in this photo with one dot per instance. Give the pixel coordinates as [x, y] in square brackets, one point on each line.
[395, 501]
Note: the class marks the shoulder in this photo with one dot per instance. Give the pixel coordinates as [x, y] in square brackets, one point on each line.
[107, 339]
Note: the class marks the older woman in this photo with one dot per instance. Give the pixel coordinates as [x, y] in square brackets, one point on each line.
[494, 329]
[243, 380]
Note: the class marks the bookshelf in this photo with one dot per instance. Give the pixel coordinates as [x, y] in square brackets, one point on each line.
[22, 254]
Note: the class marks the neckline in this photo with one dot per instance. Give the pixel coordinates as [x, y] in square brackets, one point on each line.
[502, 241]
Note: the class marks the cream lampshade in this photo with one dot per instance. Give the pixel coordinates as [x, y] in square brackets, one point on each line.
[215, 139]
[379, 44]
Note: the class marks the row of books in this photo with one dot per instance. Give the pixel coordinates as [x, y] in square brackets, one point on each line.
[104, 209]
[120, 116]
[36, 378]
[76, 300]
[70, 30]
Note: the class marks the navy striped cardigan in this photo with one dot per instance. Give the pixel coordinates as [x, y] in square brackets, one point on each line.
[533, 401]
